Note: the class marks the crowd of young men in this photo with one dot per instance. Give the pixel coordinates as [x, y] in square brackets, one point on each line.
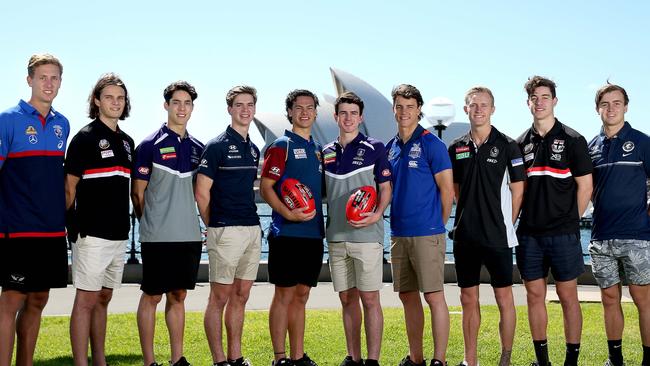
[549, 174]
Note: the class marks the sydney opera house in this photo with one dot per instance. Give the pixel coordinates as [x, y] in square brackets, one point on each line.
[378, 116]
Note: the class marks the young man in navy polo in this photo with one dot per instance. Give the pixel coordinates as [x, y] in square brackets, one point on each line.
[226, 199]
[620, 237]
[423, 193]
[163, 199]
[489, 184]
[558, 189]
[34, 255]
[98, 170]
[296, 237]
[356, 249]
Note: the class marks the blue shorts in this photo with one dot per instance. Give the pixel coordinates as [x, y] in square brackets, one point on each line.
[561, 253]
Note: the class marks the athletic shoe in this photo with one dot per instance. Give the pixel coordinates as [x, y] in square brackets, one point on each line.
[156, 364]
[181, 362]
[609, 363]
[371, 362]
[406, 361]
[304, 361]
[435, 362]
[348, 361]
[282, 362]
[241, 361]
[222, 363]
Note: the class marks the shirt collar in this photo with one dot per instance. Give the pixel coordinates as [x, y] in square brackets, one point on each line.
[419, 130]
[557, 127]
[621, 133]
[297, 138]
[31, 110]
[235, 135]
[355, 141]
[171, 132]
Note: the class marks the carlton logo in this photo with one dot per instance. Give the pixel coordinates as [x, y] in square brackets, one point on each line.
[143, 170]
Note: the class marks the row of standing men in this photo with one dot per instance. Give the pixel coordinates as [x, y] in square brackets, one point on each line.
[547, 174]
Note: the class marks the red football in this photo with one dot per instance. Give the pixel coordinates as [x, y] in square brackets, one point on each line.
[297, 195]
[362, 200]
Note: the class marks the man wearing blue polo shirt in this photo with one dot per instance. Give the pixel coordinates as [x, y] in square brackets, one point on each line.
[33, 249]
[356, 248]
[423, 193]
[296, 237]
[226, 199]
[620, 238]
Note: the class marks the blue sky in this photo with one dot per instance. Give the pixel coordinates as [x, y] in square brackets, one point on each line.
[442, 47]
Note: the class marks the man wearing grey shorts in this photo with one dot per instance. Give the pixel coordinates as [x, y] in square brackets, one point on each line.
[356, 247]
[226, 200]
[621, 228]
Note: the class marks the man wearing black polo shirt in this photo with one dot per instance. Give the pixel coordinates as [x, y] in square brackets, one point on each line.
[226, 200]
[98, 168]
[558, 189]
[489, 185]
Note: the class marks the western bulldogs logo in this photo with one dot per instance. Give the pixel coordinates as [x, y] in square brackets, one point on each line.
[58, 131]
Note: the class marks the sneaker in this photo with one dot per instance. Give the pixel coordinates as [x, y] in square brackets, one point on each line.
[155, 364]
[609, 363]
[370, 362]
[348, 361]
[282, 362]
[181, 362]
[222, 363]
[304, 361]
[436, 362]
[241, 361]
[406, 361]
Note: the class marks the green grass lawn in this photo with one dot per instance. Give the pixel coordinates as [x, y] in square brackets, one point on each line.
[325, 341]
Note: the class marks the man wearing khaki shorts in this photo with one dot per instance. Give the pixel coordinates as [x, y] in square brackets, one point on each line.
[225, 197]
[423, 192]
[356, 248]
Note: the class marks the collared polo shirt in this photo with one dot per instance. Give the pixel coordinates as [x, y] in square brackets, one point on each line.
[32, 191]
[552, 162]
[168, 162]
[362, 162]
[484, 208]
[621, 169]
[102, 159]
[231, 161]
[292, 156]
[416, 208]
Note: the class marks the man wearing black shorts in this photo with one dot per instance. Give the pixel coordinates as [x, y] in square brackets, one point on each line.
[296, 237]
[489, 184]
[558, 189]
[33, 249]
[163, 198]
[98, 170]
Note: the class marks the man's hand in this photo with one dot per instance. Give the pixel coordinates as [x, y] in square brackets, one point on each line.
[298, 214]
[368, 219]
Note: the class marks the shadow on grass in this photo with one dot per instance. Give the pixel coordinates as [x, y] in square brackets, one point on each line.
[130, 359]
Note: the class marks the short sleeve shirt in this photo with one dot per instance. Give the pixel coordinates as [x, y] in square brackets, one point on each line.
[552, 162]
[484, 208]
[168, 162]
[292, 156]
[231, 161]
[362, 162]
[416, 208]
[102, 159]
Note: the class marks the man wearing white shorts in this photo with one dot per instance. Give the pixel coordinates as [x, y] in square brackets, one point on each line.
[356, 248]
[225, 197]
[98, 168]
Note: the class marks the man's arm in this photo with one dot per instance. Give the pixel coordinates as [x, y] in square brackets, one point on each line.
[385, 195]
[71, 182]
[445, 182]
[202, 195]
[268, 194]
[138, 186]
[517, 193]
[585, 188]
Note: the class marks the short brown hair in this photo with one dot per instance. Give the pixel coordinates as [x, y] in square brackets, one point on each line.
[350, 98]
[476, 90]
[409, 92]
[240, 89]
[536, 81]
[607, 88]
[40, 59]
[104, 81]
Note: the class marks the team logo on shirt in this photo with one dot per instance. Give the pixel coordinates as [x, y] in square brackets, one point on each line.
[360, 152]
[58, 131]
[143, 170]
[528, 148]
[415, 151]
[628, 146]
[557, 146]
[494, 152]
[385, 172]
[103, 144]
[299, 153]
[254, 153]
[275, 170]
[204, 163]
[30, 130]
[32, 139]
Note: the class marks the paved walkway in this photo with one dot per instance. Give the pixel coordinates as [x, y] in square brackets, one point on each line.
[125, 299]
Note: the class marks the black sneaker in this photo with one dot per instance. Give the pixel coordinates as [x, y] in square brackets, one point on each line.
[181, 362]
[222, 363]
[436, 362]
[537, 364]
[241, 361]
[304, 361]
[155, 364]
[282, 362]
[370, 362]
[348, 361]
[406, 361]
